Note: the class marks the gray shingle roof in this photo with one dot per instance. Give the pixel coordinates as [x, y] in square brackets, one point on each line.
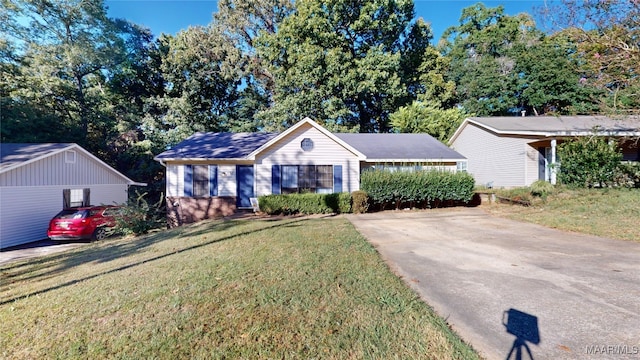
[399, 146]
[217, 146]
[559, 125]
[12, 154]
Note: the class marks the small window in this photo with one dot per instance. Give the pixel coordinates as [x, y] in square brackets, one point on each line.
[200, 180]
[306, 144]
[77, 198]
[461, 166]
[70, 157]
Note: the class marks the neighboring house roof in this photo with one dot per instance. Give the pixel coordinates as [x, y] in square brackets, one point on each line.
[201, 146]
[369, 147]
[556, 125]
[14, 155]
[400, 147]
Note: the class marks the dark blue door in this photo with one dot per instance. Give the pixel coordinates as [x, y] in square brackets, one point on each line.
[244, 178]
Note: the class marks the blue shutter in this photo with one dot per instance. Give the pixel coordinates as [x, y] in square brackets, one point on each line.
[275, 179]
[337, 178]
[213, 180]
[188, 180]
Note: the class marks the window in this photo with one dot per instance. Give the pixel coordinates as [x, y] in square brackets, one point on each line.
[200, 180]
[307, 178]
[75, 198]
[70, 157]
[461, 166]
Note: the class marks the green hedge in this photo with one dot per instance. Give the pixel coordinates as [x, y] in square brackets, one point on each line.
[305, 203]
[422, 189]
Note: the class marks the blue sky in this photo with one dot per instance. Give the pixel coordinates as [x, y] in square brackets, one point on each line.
[171, 16]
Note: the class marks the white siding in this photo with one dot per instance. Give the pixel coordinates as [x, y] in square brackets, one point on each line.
[531, 164]
[175, 180]
[325, 152]
[25, 211]
[500, 160]
[227, 180]
[54, 170]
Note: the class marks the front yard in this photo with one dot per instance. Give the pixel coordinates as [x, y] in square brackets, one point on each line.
[612, 213]
[292, 288]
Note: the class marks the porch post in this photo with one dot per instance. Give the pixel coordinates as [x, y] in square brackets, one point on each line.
[553, 161]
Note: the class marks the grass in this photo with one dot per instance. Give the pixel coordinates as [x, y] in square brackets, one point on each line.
[612, 213]
[292, 288]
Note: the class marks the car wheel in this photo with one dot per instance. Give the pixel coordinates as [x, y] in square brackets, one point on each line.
[100, 233]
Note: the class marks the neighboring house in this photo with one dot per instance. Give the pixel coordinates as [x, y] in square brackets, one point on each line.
[213, 174]
[39, 180]
[516, 151]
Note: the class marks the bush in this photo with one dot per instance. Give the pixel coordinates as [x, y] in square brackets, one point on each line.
[588, 162]
[542, 189]
[629, 174]
[305, 203]
[360, 202]
[138, 217]
[416, 189]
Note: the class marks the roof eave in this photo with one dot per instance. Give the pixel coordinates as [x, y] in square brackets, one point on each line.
[417, 160]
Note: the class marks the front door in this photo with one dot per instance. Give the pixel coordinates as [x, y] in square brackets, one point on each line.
[244, 190]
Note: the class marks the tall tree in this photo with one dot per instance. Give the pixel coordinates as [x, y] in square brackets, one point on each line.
[67, 49]
[607, 34]
[341, 62]
[197, 94]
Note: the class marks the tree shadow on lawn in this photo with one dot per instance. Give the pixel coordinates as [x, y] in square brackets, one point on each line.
[50, 266]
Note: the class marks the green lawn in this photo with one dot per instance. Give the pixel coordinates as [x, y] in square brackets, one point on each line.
[613, 213]
[293, 288]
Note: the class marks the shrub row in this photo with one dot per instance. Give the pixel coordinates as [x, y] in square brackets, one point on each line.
[305, 203]
[422, 189]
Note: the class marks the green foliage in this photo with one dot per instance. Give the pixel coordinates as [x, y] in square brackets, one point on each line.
[336, 203]
[629, 174]
[420, 188]
[542, 188]
[342, 62]
[429, 118]
[138, 217]
[360, 202]
[588, 161]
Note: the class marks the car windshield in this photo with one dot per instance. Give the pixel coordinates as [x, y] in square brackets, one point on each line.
[71, 214]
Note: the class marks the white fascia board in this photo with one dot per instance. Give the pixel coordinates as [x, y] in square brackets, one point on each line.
[299, 124]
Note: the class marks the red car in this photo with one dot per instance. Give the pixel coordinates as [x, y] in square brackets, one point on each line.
[94, 223]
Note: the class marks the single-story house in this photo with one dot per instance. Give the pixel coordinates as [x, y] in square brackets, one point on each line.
[39, 180]
[516, 151]
[214, 174]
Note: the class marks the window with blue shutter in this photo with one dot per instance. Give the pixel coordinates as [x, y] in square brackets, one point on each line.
[213, 180]
[188, 180]
[337, 178]
[275, 179]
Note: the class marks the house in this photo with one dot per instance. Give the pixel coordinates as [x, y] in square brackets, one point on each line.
[214, 174]
[516, 151]
[39, 180]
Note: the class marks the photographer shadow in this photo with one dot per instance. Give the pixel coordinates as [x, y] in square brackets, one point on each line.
[525, 328]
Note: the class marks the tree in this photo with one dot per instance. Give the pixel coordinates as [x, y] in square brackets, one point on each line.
[503, 64]
[341, 62]
[67, 50]
[427, 117]
[607, 35]
[197, 94]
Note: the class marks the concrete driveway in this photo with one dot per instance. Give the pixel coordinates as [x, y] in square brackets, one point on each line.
[509, 287]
